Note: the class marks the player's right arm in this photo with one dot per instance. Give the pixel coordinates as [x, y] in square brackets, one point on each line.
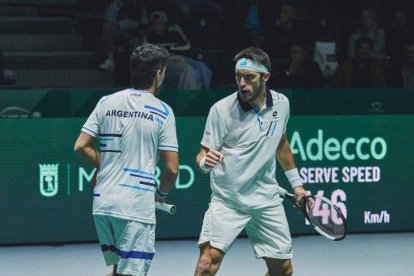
[213, 138]
[169, 173]
[168, 150]
[84, 146]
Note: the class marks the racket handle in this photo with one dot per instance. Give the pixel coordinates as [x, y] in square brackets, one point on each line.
[166, 207]
[282, 191]
[285, 194]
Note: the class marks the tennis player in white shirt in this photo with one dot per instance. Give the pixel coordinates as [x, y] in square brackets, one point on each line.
[244, 135]
[133, 128]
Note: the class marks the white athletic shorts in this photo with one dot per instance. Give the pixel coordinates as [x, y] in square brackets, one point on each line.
[126, 243]
[266, 227]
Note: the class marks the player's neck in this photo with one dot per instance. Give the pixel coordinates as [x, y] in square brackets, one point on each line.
[260, 101]
[152, 90]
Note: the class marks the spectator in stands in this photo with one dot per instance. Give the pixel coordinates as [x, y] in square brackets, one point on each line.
[401, 74]
[399, 32]
[200, 19]
[122, 20]
[252, 19]
[286, 33]
[170, 36]
[364, 70]
[369, 27]
[183, 72]
[300, 71]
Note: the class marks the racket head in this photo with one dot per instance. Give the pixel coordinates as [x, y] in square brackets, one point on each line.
[326, 218]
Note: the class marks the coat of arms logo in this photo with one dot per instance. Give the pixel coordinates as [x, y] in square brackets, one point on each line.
[49, 175]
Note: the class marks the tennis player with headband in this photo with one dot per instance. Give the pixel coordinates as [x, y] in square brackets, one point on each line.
[244, 133]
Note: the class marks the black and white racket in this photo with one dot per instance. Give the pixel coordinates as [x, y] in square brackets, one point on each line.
[171, 209]
[332, 225]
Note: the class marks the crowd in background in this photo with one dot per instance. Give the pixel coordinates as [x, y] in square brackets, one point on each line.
[311, 43]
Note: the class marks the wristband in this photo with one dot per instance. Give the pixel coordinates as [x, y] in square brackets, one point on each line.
[294, 178]
[203, 168]
[160, 193]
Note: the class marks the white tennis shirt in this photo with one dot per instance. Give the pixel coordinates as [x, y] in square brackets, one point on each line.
[132, 125]
[248, 139]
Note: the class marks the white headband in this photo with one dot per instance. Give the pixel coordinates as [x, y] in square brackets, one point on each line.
[249, 64]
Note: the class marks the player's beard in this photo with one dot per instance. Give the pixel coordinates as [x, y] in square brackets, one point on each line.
[256, 92]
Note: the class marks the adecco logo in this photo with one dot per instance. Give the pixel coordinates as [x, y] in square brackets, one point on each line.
[332, 149]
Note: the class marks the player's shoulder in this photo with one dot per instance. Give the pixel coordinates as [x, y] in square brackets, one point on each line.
[227, 103]
[166, 106]
[157, 105]
[120, 93]
[278, 97]
[113, 97]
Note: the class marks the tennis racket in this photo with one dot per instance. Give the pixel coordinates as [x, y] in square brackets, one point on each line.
[331, 225]
[171, 209]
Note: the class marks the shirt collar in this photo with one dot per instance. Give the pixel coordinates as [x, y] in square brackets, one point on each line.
[247, 107]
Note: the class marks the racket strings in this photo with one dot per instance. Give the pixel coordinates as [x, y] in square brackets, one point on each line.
[324, 216]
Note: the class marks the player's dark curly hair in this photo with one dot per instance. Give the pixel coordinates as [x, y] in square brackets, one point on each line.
[255, 54]
[144, 63]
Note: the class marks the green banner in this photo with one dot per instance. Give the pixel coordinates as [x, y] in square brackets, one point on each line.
[362, 163]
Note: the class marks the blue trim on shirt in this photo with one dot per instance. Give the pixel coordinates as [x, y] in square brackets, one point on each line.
[147, 183]
[137, 188]
[159, 121]
[115, 151]
[128, 254]
[110, 135]
[138, 171]
[274, 127]
[165, 112]
[165, 108]
[106, 139]
[268, 130]
[141, 176]
[156, 113]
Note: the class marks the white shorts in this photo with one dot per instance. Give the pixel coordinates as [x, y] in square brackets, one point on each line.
[266, 227]
[126, 243]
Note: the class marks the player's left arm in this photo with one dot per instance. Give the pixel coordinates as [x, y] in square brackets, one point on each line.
[84, 146]
[285, 157]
